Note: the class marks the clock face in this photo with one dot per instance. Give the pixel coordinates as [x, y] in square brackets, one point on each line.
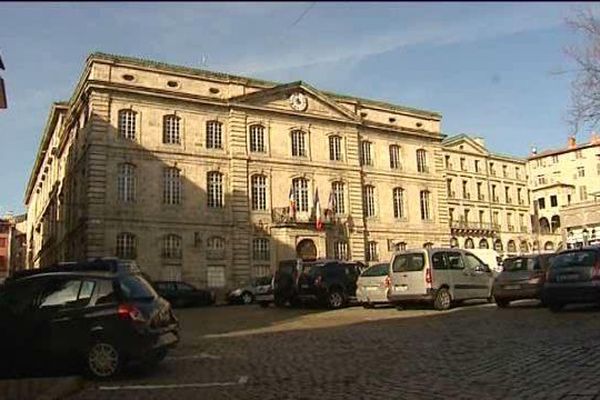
[298, 101]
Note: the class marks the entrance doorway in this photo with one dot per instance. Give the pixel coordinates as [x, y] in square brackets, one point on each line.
[306, 250]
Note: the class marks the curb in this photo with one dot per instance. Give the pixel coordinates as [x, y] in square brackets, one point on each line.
[40, 388]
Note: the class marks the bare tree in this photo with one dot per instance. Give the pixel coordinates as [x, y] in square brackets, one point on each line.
[585, 91]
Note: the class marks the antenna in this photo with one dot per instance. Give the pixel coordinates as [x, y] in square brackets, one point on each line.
[203, 60]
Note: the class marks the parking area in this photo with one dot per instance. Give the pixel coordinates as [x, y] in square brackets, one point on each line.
[473, 352]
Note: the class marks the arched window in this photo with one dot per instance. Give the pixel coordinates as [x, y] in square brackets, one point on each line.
[257, 138]
[453, 242]
[544, 225]
[398, 198]
[215, 189]
[498, 245]
[127, 124]
[369, 200]
[300, 188]
[335, 148]
[126, 246]
[549, 246]
[126, 183]
[337, 198]
[260, 249]
[511, 247]
[422, 161]
[483, 244]
[214, 135]
[171, 246]
[469, 244]
[258, 185]
[524, 246]
[171, 186]
[171, 134]
[298, 143]
[555, 222]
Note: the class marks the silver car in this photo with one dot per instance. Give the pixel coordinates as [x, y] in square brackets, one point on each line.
[438, 276]
[373, 285]
[247, 294]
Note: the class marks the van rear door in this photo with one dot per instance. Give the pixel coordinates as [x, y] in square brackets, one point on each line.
[408, 274]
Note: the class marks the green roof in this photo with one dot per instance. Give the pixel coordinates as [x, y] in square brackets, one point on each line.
[253, 81]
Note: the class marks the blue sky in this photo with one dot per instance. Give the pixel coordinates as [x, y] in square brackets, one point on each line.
[487, 67]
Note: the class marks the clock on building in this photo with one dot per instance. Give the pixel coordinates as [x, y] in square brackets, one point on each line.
[298, 101]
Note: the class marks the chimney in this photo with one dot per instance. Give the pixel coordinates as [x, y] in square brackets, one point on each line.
[572, 142]
[479, 140]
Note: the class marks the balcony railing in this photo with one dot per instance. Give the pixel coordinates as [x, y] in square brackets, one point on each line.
[471, 225]
[283, 216]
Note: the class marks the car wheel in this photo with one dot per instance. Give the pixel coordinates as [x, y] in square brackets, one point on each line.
[335, 299]
[442, 300]
[247, 298]
[502, 303]
[103, 360]
[555, 307]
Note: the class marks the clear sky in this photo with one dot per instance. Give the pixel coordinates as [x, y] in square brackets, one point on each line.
[489, 68]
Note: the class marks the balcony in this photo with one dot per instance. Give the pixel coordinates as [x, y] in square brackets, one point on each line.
[471, 227]
[281, 216]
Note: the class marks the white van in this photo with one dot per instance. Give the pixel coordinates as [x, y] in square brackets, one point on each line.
[438, 276]
[490, 257]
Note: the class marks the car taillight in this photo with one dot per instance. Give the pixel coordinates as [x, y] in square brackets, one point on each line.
[318, 280]
[130, 312]
[428, 279]
[596, 271]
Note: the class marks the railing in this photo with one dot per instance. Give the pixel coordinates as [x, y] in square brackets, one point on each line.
[473, 225]
[282, 215]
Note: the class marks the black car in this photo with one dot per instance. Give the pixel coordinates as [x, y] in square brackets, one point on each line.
[99, 315]
[182, 294]
[573, 277]
[329, 282]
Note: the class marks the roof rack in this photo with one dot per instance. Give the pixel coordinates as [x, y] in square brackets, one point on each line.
[113, 265]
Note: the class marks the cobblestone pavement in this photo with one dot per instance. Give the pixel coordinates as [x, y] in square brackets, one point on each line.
[473, 352]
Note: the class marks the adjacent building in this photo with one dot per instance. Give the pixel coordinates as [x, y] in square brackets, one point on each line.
[488, 199]
[12, 244]
[559, 179]
[213, 178]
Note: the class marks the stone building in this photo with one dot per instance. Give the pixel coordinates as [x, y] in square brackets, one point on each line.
[488, 199]
[213, 178]
[560, 178]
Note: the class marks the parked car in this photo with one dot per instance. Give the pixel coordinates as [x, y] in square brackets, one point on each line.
[182, 294]
[573, 277]
[329, 282]
[247, 294]
[490, 257]
[98, 315]
[438, 276]
[373, 285]
[266, 297]
[521, 278]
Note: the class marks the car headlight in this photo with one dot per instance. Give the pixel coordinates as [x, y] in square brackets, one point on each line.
[237, 292]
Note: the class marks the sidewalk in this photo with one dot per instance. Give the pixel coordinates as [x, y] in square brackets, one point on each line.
[40, 388]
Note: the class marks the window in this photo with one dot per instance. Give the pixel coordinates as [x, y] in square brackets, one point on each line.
[425, 211]
[481, 216]
[455, 260]
[463, 164]
[215, 189]
[300, 187]
[262, 271]
[582, 193]
[507, 194]
[496, 218]
[519, 197]
[451, 214]
[467, 211]
[171, 133]
[369, 200]
[476, 165]
[260, 249]
[555, 159]
[505, 171]
[298, 143]
[215, 277]
[339, 205]
[479, 193]
[421, 160]
[394, 157]
[447, 162]
[257, 139]
[438, 261]
[341, 250]
[335, 148]
[259, 192]
[517, 173]
[541, 203]
[171, 246]
[61, 293]
[372, 251]
[509, 221]
[398, 196]
[135, 287]
[215, 243]
[214, 135]
[580, 172]
[553, 201]
[365, 153]
[492, 170]
[172, 186]
[578, 154]
[126, 183]
[408, 262]
[465, 193]
[449, 188]
[126, 246]
[472, 262]
[127, 124]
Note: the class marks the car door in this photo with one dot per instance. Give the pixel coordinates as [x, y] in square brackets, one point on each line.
[352, 274]
[480, 276]
[459, 276]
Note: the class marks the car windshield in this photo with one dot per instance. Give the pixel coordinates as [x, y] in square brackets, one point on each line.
[583, 258]
[519, 264]
[135, 287]
[265, 280]
[408, 262]
[377, 270]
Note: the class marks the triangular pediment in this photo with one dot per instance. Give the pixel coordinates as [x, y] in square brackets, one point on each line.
[466, 144]
[309, 100]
